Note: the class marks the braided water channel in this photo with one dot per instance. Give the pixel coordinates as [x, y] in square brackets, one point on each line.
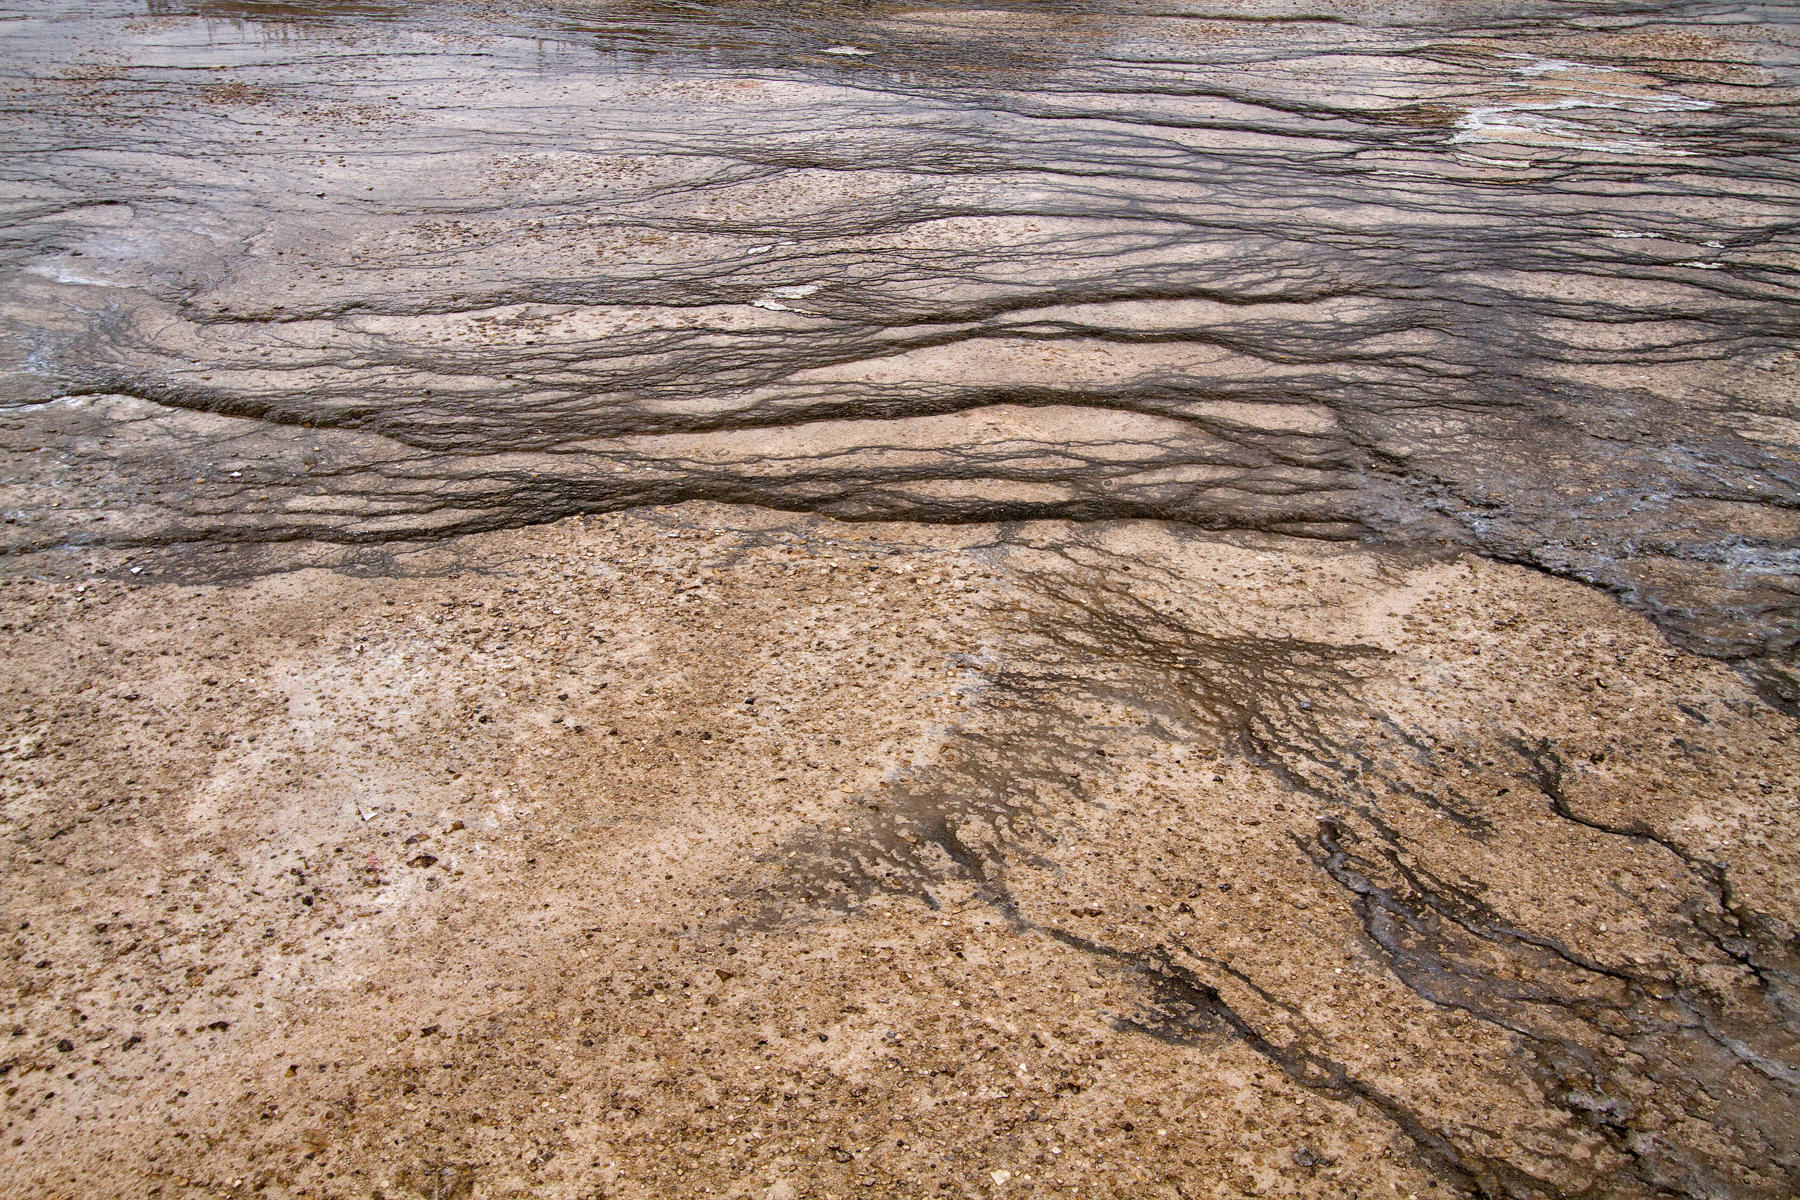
[1504, 278]
[1511, 277]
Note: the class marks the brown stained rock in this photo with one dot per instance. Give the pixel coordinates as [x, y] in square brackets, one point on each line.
[1064, 884]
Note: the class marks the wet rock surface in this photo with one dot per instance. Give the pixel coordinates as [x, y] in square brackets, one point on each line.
[1305, 707]
[1512, 277]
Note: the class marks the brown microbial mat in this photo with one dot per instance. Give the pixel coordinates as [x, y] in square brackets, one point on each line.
[899, 600]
